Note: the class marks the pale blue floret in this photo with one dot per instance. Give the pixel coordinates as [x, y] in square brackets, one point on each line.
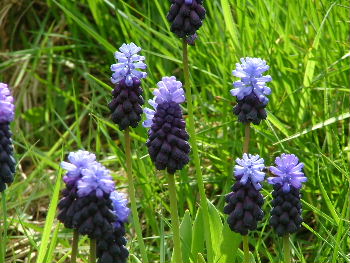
[128, 63]
[289, 172]
[78, 161]
[120, 208]
[249, 168]
[7, 108]
[252, 80]
[169, 90]
[95, 179]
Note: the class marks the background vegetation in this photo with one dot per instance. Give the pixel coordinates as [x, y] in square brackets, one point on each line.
[56, 56]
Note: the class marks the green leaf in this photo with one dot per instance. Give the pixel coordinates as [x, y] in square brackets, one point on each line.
[186, 236]
[317, 126]
[216, 226]
[197, 245]
[229, 245]
[45, 240]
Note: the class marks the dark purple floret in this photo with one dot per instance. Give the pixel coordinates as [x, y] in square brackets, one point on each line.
[286, 212]
[93, 216]
[168, 144]
[244, 208]
[126, 104]
[67, 204]
[111, 247]
[186, 17]
[7, 161]
[250, 109]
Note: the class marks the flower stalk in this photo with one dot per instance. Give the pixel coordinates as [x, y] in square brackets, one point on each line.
[174, 218]
[75, 246]
[193, 140]
[135, 216]
[245, 150]
[286, 249]
[92, 258]
[4, 237]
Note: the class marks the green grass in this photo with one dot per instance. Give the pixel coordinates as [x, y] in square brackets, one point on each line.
[56, 56]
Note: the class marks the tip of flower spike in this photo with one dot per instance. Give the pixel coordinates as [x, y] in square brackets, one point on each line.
[95, 179]
[78, 161]
[7, 108]
[289, 172]
[249, 168]
[120, 208]
[251, 79]
[129, 64]
[169, 90]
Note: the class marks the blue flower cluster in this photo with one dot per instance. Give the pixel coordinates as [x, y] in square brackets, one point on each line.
[252, 80]
[128, 64]
[7, 108]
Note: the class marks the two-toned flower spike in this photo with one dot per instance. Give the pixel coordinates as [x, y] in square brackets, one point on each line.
[245, 201]
[7, 114]
[92, 207]
[251, 90]
[286, 212]
[167, 142]
[186, 18]
[126, 105]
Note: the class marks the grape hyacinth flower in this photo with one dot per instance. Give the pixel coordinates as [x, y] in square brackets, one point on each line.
[286, 212]
[245, 201]
[94, 210]
[126, 105]
[167, 142]
[111, 247]
[251, 90]
[78, 161]
[7, 114]
[186, 17]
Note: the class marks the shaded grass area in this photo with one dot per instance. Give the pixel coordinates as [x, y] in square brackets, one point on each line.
[56, 56]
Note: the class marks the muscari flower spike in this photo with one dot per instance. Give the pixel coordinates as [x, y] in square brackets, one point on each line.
[7, 160]
[186, 17]
[126, 105]
[251, 90]
[78, 162]
[286, 212]
[245, 201]
[111, 248]
[167, 143]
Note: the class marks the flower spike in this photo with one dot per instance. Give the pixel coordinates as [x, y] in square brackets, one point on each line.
[286, 212]
[167, 143]
[7, 160]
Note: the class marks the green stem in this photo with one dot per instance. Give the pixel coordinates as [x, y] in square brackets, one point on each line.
[246, 138]
[246, 249]
[196, 160]
[75, 246]
[92, 250]
[286, 248]
[4, 209]
[135, 215]
[245, 150]
[174, 219]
